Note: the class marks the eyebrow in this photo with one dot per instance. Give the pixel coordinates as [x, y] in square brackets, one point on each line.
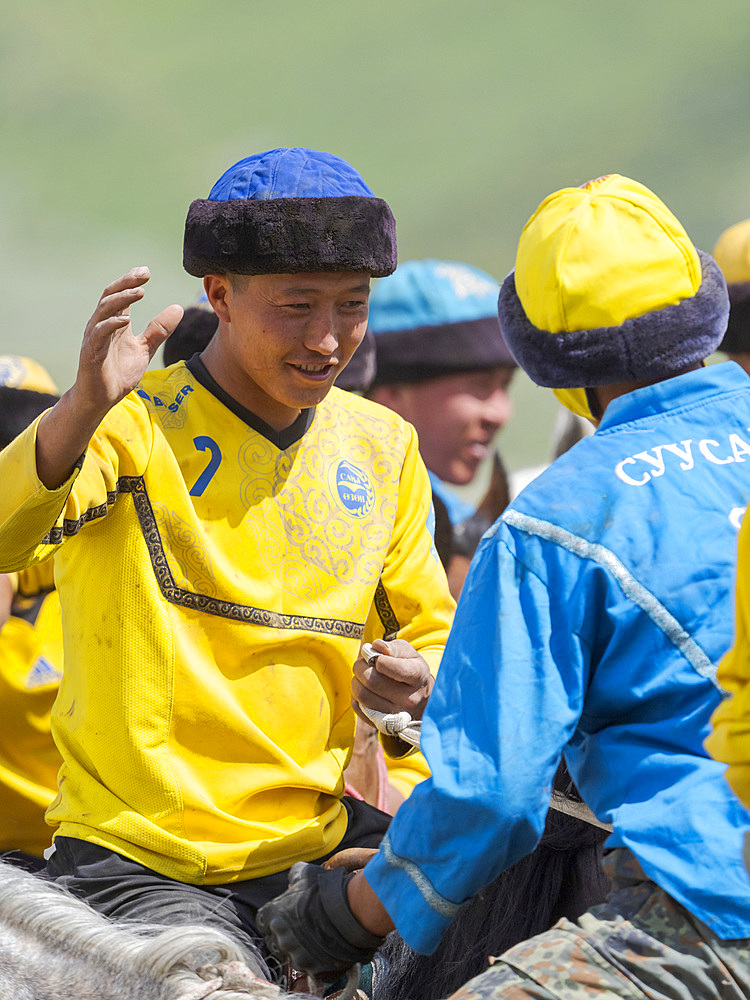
[316, 291]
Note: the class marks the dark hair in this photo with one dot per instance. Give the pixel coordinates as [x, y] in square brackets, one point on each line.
[595, 407]
[190, 336]
[19, 408]
[467, 534]
[443, 531]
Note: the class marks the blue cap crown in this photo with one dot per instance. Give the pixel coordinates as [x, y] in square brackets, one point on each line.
[424, 293]
[289, 173]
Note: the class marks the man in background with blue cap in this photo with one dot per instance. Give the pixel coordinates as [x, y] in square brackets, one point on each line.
[226, 533]
[442, 364]
[591, 624]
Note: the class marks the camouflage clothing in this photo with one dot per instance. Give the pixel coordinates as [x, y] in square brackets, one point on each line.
[640, 943]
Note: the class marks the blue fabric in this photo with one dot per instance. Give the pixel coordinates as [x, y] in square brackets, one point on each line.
[591, 622]
[424, 293]
[289, 173]
[457, 508]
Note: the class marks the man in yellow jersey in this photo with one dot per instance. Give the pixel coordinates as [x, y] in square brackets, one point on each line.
[368, 776]
[226, 533]
[31, 655]
[730, 739]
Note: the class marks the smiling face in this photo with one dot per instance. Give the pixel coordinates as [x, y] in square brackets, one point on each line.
[283, 338]
[456, 417]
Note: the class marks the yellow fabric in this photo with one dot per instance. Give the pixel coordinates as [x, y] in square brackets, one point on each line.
[36, 580]
[204, 717]
[17, 372]
[732, 253]
[730, 739]
[600, 254]
[31, 659]
[575, 400]
[405, 774]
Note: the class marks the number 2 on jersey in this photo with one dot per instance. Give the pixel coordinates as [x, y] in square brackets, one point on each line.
[204, 443]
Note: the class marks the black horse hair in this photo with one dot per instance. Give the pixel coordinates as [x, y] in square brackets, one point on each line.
[561, 878]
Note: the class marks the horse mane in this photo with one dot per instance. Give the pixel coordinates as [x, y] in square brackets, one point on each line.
[562, 877]
[54, 946]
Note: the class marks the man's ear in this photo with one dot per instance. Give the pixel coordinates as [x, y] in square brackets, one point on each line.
[218, 289]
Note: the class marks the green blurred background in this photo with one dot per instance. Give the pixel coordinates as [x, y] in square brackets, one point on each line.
[463, 116]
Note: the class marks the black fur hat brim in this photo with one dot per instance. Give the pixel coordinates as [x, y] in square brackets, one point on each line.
[737, 338]
[655, 345]
[290, 236]
[431, 351]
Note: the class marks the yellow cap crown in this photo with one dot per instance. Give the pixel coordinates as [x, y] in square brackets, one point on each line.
[600, 254]
[732, 253]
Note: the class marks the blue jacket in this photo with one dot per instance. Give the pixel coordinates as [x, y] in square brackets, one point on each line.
[592, 620]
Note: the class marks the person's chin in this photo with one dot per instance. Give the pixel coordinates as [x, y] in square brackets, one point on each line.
[303, 398]
[309, 385]
[459, 474]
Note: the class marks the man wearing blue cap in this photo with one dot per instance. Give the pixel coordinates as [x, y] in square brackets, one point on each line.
[226, 533]
[442, 364]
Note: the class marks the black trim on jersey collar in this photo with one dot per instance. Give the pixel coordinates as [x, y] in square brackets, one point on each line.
[282, 439]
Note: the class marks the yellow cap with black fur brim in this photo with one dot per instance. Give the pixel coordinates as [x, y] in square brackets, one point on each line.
[608, 288]
[600, 254]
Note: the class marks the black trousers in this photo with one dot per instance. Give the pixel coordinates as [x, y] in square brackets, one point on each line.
[124, 890]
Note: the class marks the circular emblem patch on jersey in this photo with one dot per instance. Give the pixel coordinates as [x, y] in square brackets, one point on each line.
[353, 488]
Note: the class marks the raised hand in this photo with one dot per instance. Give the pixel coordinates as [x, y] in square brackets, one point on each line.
[113, 359]
[111, 363]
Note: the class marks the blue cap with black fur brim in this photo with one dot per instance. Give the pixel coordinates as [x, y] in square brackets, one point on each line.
[433, 318]
[289, 211]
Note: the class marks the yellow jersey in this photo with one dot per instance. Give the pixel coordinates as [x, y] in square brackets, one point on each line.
[217, 578]
[730, 739]
[31, 658]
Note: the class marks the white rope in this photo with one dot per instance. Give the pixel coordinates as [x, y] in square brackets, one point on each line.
[399, 724]
[572, 807]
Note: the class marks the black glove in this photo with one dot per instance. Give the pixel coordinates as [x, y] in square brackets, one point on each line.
[312, 925]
